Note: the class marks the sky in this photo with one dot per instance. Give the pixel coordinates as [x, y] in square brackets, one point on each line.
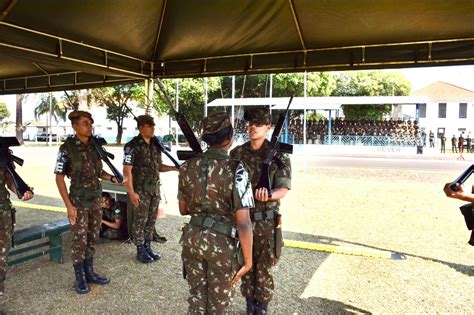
[462, 76]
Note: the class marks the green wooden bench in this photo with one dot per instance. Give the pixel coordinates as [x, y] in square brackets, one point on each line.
[52, 246]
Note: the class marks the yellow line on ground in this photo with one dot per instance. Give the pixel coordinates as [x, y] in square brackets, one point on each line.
[38, 207]
[356, 251]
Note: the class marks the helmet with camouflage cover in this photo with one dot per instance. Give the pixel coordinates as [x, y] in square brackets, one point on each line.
[216, 128]
[258, 116]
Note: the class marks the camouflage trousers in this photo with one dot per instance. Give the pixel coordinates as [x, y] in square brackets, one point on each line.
[144, 218]
[86, 230]
[5, 244]
[111, 234]
[208, 261]
[258, 282]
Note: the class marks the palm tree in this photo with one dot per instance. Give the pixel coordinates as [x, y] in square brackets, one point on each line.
[58, 110]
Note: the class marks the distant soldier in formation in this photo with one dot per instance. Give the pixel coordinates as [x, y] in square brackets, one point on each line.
[454, 144]
[443, 143]
[431, 138]
[216, 192]
[461, 143]
[78, 159]
[468, 144]
[142, 166]
[257, 285]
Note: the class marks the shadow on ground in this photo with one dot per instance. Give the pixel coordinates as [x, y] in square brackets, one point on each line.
[41, 286]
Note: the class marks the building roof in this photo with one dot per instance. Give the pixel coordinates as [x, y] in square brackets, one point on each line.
[444, 91]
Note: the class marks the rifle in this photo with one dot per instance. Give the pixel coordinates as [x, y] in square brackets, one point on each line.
[462, 178]
[157, 141]
[185, 127]
[276, 147]
[7, 159]
[98, 143]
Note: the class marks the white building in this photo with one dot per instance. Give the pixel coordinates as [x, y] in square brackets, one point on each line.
[450, 109]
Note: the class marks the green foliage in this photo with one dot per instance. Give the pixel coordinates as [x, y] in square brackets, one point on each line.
[4, 113]
[314, 117]
[57, 108]
[115, 100]
[370, 83]
[191, 97]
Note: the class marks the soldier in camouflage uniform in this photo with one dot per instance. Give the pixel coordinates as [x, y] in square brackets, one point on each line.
[216, 192]
[78, 159]
[6, 224]
[257, 284]
[142, 167]
[113, 225]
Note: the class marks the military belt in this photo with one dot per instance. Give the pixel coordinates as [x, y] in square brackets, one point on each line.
[210, 223]
[263, 215]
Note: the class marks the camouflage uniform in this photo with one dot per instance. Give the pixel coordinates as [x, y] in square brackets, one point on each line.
[258, 282]
[111, 214]
[146, 160]
[82, 164]
[6, 229]
[213, 187]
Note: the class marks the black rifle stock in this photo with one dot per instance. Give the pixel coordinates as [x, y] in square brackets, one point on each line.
[462, 178]
[185, 128]
[157, 141]
[276, 147]
[98, 143]
[7, 159]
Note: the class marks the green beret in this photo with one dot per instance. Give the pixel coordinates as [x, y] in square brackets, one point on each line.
[215, 123]
[258, 115]
[145, 120]
[78, 114]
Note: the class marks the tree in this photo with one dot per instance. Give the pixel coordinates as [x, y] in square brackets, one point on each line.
[191, 97]
[71, 99]
[370, 83]
[58, 109]
[4, 113]
[19, 128]
[115, 100]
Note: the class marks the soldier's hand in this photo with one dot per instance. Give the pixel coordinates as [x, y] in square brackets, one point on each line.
[72, 214]
[135, 200]
[27, 195]
[242, 271]
[124, 181]
[261, 194]
[453, 194]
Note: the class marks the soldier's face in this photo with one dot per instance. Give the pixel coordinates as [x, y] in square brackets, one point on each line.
[106, 203]
[83, 127]
[258, 131]
[147, 131]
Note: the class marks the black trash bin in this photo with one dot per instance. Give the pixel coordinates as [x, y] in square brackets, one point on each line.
[419, 149]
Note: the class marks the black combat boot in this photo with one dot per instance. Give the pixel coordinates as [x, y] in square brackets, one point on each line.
[142, 255]
[91, 276]
[155, 256]
[81, 285]
[251, 306]
[261, 308]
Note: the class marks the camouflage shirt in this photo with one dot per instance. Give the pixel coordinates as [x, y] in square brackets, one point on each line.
[212, 183]
[113, 213]
[279, 178]
[146, 160]
[88, 170]
[4, 194]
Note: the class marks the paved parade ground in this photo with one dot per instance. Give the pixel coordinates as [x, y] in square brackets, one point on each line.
[403, 243]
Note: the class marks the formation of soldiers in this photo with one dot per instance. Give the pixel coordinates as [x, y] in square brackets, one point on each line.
[317, 129]
[234, 232]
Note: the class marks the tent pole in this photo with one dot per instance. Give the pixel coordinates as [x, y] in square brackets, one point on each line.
[329, 127]
[205, 96]
[176, 100]
[233, 97]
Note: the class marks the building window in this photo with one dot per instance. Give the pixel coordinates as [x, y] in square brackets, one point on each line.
[442, 110]
[462, 110]
[441, 132]
[422, 110]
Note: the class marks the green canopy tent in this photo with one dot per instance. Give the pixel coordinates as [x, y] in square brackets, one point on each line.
[56, 45]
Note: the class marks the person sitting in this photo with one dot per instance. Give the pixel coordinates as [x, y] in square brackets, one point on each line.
[113, 225]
